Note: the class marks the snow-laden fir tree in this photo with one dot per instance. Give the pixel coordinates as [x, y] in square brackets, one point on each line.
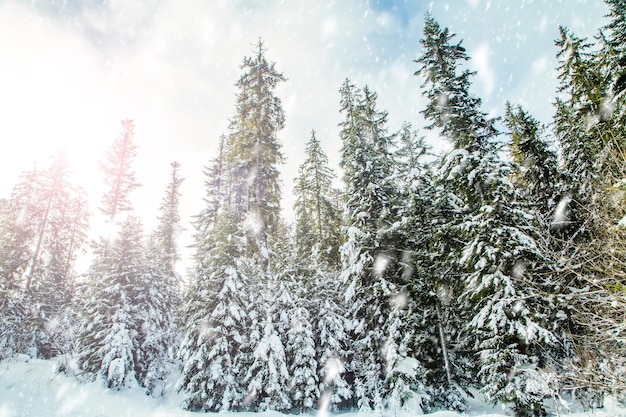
[254, 151]
[535, 164]
[489, 239]
[332, 342]
[589, 122]
[228, 327]
[50, 279]
[415, 351]
[318, 219]
[369, 254]
[108, 344]
[43, 226]
[158, 292]
[217, 325]
[268, 377]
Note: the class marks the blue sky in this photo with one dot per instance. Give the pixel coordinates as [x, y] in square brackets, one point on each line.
[71, 70]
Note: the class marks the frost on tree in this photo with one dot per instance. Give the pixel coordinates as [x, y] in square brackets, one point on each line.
[228, 323]
[490, 241]
[108, 344]
[217, 322]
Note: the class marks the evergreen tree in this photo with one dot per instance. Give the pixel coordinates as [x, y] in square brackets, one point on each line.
[43, 225]
[268, 374]
[332, 343]
[301, 358]
[318, 218]
[489, 239]
[118, 174]
[254, 151]
[228, 328]
[108, 343]
[589, 122]
[113, 305]
[535, 170]
[368, 253]
[157, 292]
[217, 325]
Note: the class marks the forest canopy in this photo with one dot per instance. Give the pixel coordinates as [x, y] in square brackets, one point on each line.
[495, 266]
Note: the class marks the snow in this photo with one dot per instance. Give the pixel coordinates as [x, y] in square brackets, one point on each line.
[34, 388]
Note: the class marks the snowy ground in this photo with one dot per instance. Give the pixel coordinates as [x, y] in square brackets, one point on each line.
[33, 388]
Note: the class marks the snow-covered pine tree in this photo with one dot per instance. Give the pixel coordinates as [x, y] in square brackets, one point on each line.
[158, 292]
[118, 174]
[254, 151]
[217, 325]
[368, 254]
[490, 239]
[226, 317]
[535, 164]
[50, 279]
[297, 327]
[43, 225]
[268, 377]
[108, 345]
[589, 122]
[318, 219]
[414, 337]
[332, 342]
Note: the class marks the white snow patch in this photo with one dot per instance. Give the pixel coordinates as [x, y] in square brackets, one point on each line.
[380, 264]
[561, 214]
[34, 389]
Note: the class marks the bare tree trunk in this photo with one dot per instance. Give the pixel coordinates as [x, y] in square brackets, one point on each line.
[444, 347]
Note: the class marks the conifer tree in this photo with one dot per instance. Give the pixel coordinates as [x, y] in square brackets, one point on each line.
[318, 219]
[43, 225]
[118, 174]
[535, 170]
[368, 255]
[158, 292]
[113, 304]
[217, 325]
[108, 343]
[332, 342]
[589, 123]
[254, 151]
[236, 236]
[488, 236]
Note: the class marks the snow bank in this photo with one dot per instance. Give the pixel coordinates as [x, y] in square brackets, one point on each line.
[33, 388]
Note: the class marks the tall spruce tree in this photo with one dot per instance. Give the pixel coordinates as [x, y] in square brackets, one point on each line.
[318, 219]
[43, 225]
[488, 238]
[254, 151]
[226, 314]
[589, 122]
[535, 169]
[118, 174]
[369, 254]
[158, 292]
[108, 343]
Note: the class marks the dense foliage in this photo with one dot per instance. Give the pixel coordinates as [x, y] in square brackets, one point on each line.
[424, 280]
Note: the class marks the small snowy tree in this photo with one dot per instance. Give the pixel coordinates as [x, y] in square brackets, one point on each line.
[107, 344]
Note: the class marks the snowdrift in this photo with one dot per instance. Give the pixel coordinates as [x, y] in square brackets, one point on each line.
[32, 387]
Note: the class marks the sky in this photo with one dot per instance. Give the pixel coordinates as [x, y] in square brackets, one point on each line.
[71, 70]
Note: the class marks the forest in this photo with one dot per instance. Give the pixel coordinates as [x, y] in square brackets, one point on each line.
[495, 268]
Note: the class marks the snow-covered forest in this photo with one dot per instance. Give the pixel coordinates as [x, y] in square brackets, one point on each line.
[494, 269]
